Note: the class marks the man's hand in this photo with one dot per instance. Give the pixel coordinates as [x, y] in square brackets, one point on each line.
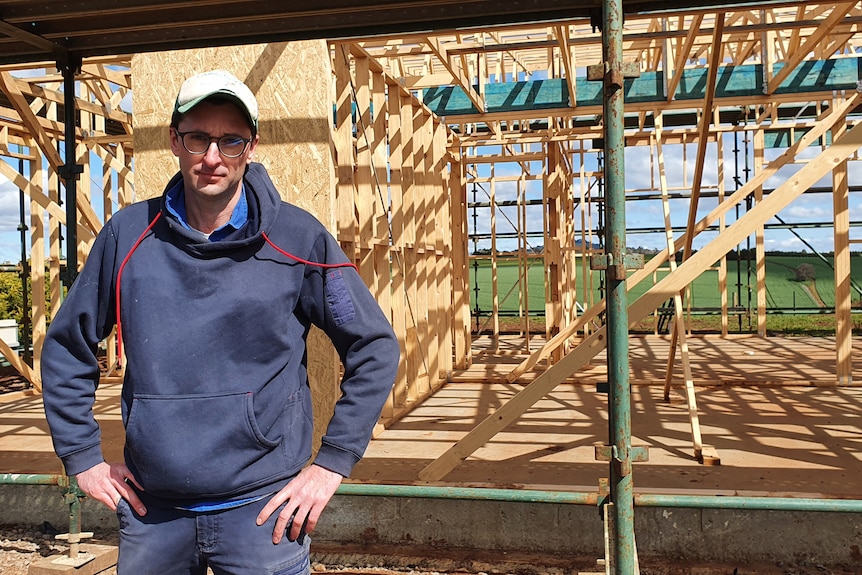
[107, 483]
[306, 496]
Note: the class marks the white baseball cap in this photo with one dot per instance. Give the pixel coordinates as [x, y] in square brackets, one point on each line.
[219, 83]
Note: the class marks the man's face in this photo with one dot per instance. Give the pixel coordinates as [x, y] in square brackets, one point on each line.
[212, 174]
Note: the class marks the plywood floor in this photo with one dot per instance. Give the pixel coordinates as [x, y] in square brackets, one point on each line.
[768, 406]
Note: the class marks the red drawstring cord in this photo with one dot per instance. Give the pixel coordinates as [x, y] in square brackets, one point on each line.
[302, 261]
[150, 227]
[120, 275]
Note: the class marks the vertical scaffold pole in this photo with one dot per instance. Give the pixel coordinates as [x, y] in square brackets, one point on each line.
[617, 302]
[71, 170]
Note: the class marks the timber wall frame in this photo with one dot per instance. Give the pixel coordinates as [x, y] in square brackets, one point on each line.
[413, 119]
[31, 137]
[395, 181]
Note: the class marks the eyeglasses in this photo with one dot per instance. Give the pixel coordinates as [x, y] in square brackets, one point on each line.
[199, 142]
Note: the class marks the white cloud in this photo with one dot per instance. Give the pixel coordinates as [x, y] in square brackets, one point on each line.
[810, 211]
[8, 204]
[10, 243]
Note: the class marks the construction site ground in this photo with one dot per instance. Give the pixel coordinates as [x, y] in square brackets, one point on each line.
[769, 407]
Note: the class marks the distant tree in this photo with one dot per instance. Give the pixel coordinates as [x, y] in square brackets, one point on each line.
[803, 273]
[11, 300]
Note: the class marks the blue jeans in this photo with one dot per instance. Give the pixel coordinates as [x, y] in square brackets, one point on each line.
[177, 542]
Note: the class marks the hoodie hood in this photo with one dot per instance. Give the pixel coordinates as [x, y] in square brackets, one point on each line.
[263, 205]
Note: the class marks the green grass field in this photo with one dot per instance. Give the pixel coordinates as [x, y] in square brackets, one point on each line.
[782, 292]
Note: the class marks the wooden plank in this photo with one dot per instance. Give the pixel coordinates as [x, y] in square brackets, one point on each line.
[670, 284]
[843, 300]
[495, 276]
[38, 311]
[33, 191]
[568, 58]
[54, 228]
[379, 208]
[112, 160]
[524, 261]
[344, 151]
[460, 260]
[682, 55]
[679, 329]
[555, 218]
[703, 130]
[410, 257]
[759, 245]
[363, 205]
[37, 91]
[442, 287]
[398, 317]
[722, 264]
[422, 177]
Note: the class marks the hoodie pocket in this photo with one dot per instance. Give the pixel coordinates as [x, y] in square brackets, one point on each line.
[199, 445]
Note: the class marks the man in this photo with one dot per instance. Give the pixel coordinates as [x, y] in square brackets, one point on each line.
[213, 288]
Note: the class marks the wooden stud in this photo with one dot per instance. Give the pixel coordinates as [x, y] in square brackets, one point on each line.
[843, 320]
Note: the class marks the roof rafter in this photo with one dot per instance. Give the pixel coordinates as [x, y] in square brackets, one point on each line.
[799, 54]
[457, 71]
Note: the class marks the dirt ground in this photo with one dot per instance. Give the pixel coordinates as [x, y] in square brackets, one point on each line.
[21, 546]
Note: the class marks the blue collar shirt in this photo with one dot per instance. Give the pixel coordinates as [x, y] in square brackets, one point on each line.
[175, 201]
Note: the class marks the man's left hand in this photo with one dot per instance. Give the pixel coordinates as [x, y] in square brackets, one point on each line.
[306, 496]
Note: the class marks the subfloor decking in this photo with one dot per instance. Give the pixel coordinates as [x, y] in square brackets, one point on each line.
[768, 406]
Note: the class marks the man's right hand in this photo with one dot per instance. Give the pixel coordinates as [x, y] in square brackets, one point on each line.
[108, 483]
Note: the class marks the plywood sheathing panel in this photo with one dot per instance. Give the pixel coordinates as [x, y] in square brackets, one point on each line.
[394, 215]
[291, 83]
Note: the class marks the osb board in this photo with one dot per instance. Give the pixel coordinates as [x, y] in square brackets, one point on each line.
[291, 83]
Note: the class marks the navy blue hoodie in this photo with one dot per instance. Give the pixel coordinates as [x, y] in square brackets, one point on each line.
[216, 400]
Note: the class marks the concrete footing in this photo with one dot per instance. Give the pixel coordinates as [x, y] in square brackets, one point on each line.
[559, 536]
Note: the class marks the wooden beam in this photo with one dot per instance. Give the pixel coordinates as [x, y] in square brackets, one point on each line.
[31, 89]
[35, 40]
[109, 158]
[38, 311]
[843, 300]
[703, 127]
[99, 70]
[682, 55]
[562, 33]
[10, 87]
[679, 334]
[33, 191]
[458, 74]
